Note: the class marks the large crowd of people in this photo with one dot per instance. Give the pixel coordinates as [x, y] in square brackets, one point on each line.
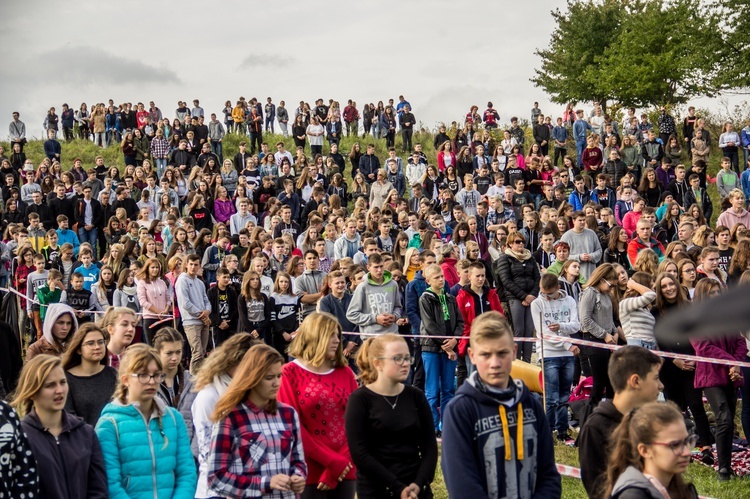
[206, 322]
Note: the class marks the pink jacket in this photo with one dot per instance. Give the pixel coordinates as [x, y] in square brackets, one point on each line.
[730, 348]
[441, 160]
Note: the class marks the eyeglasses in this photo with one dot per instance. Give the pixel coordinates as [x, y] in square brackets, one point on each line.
[400, 359]
[678, 446]
[94, 343]
[689, 270]
[145, 379]
[608, 283]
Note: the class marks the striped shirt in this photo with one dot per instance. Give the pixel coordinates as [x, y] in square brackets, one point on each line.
[636, 319]
[249, 446]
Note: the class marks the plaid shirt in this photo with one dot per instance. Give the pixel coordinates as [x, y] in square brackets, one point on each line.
[250, 446]
[159, 148]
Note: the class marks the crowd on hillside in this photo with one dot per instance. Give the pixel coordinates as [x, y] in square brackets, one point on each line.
[171, 295]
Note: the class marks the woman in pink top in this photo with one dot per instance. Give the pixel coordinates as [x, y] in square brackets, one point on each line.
[155, 296]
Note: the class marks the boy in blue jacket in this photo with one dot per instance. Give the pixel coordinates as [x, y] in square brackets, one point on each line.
[496, 441]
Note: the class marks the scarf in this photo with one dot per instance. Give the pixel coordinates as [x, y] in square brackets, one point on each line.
[221, 383]
[129, 290]
[522, 256]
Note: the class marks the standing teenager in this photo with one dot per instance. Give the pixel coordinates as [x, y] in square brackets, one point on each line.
[66, 450]
[317, 384]
[513, 456]
[390, 437]
[256, 449]
[145, 442]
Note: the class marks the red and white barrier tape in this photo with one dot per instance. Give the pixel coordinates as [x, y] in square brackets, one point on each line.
[163, 317]
[588, 343]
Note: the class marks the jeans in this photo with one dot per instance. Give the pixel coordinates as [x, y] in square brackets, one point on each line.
[406, 137]
[679, 387]
[745, 418]
[161, 167]
[523, 327]
[68, 133]
[352, 128]
[651, 345]
[599, 361]
[89, 236]
[100, 139]
[560, 152]
[723, 401]
[217, 149]
[269, 125]
[255, 138]
[416, 373]
[284, 130]
[439, 373]
[734, 157]
[197, 336]
[316, 150]
[558, 377]
[344, 490]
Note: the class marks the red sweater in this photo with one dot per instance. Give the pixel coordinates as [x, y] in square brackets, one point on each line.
[320, 400]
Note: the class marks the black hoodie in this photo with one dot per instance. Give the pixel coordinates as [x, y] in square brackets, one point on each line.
[593, 445]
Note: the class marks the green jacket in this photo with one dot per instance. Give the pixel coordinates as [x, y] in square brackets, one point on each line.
[45, 297]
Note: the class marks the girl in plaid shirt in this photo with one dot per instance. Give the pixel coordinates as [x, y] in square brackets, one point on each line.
[256, 449]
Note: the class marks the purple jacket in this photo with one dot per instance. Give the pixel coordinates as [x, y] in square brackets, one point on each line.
[731, 349]
[223, 210]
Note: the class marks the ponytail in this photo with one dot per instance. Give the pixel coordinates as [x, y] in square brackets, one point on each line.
[371, 349]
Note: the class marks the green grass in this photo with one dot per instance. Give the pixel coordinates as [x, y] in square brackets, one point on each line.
[703, 477]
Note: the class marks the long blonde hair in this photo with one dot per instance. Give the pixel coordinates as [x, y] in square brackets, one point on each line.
[30, 382]
[370, 350]
[311, 342]
[255, 364]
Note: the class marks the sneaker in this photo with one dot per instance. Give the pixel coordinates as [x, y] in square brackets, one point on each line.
[707, 456]
[566, 440]
[725, 475]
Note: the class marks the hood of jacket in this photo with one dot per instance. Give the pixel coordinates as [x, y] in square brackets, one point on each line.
[633, 478]
[54, 311]
[69, 421]
[387, 277]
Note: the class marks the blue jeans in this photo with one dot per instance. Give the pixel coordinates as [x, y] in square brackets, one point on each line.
[580, 146]
[558, 378]
[161, 167]
[651, 345]
[89, 236]
[216, 148]
[439, 381]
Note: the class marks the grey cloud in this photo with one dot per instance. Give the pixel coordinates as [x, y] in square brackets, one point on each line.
[85, 66]
[267, 60]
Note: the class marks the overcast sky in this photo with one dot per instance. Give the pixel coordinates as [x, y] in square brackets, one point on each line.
[443, 55]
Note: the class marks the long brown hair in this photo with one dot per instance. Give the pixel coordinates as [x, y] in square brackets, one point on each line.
[640, 426]
[255, 364]
[72, 356]
[171, 335]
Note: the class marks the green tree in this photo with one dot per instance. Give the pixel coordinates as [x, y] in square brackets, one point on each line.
[729, 43]
[569, 72]
[659, 56]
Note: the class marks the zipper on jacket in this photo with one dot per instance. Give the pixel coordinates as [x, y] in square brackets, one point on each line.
[153, 458]
[62, 461]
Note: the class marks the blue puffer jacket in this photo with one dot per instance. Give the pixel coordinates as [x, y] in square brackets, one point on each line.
[146, 462]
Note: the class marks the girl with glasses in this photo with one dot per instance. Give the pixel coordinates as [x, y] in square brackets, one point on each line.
[651, 451]
[137, 423]
[389, 425]
[91, 382]
[66, 450]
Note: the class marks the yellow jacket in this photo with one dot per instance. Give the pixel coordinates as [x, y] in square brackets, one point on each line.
[238, 114]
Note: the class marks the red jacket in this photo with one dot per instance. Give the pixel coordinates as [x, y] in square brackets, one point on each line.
[441, 160]
[466, 301]
[450, 272]
[636, 245]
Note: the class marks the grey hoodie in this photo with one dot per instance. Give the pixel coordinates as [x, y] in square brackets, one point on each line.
[370, 300]
[632, 478]
[191, 298]
[343, 246]
[54, 311]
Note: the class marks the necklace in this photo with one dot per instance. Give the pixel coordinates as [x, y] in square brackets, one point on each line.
[393, 405]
